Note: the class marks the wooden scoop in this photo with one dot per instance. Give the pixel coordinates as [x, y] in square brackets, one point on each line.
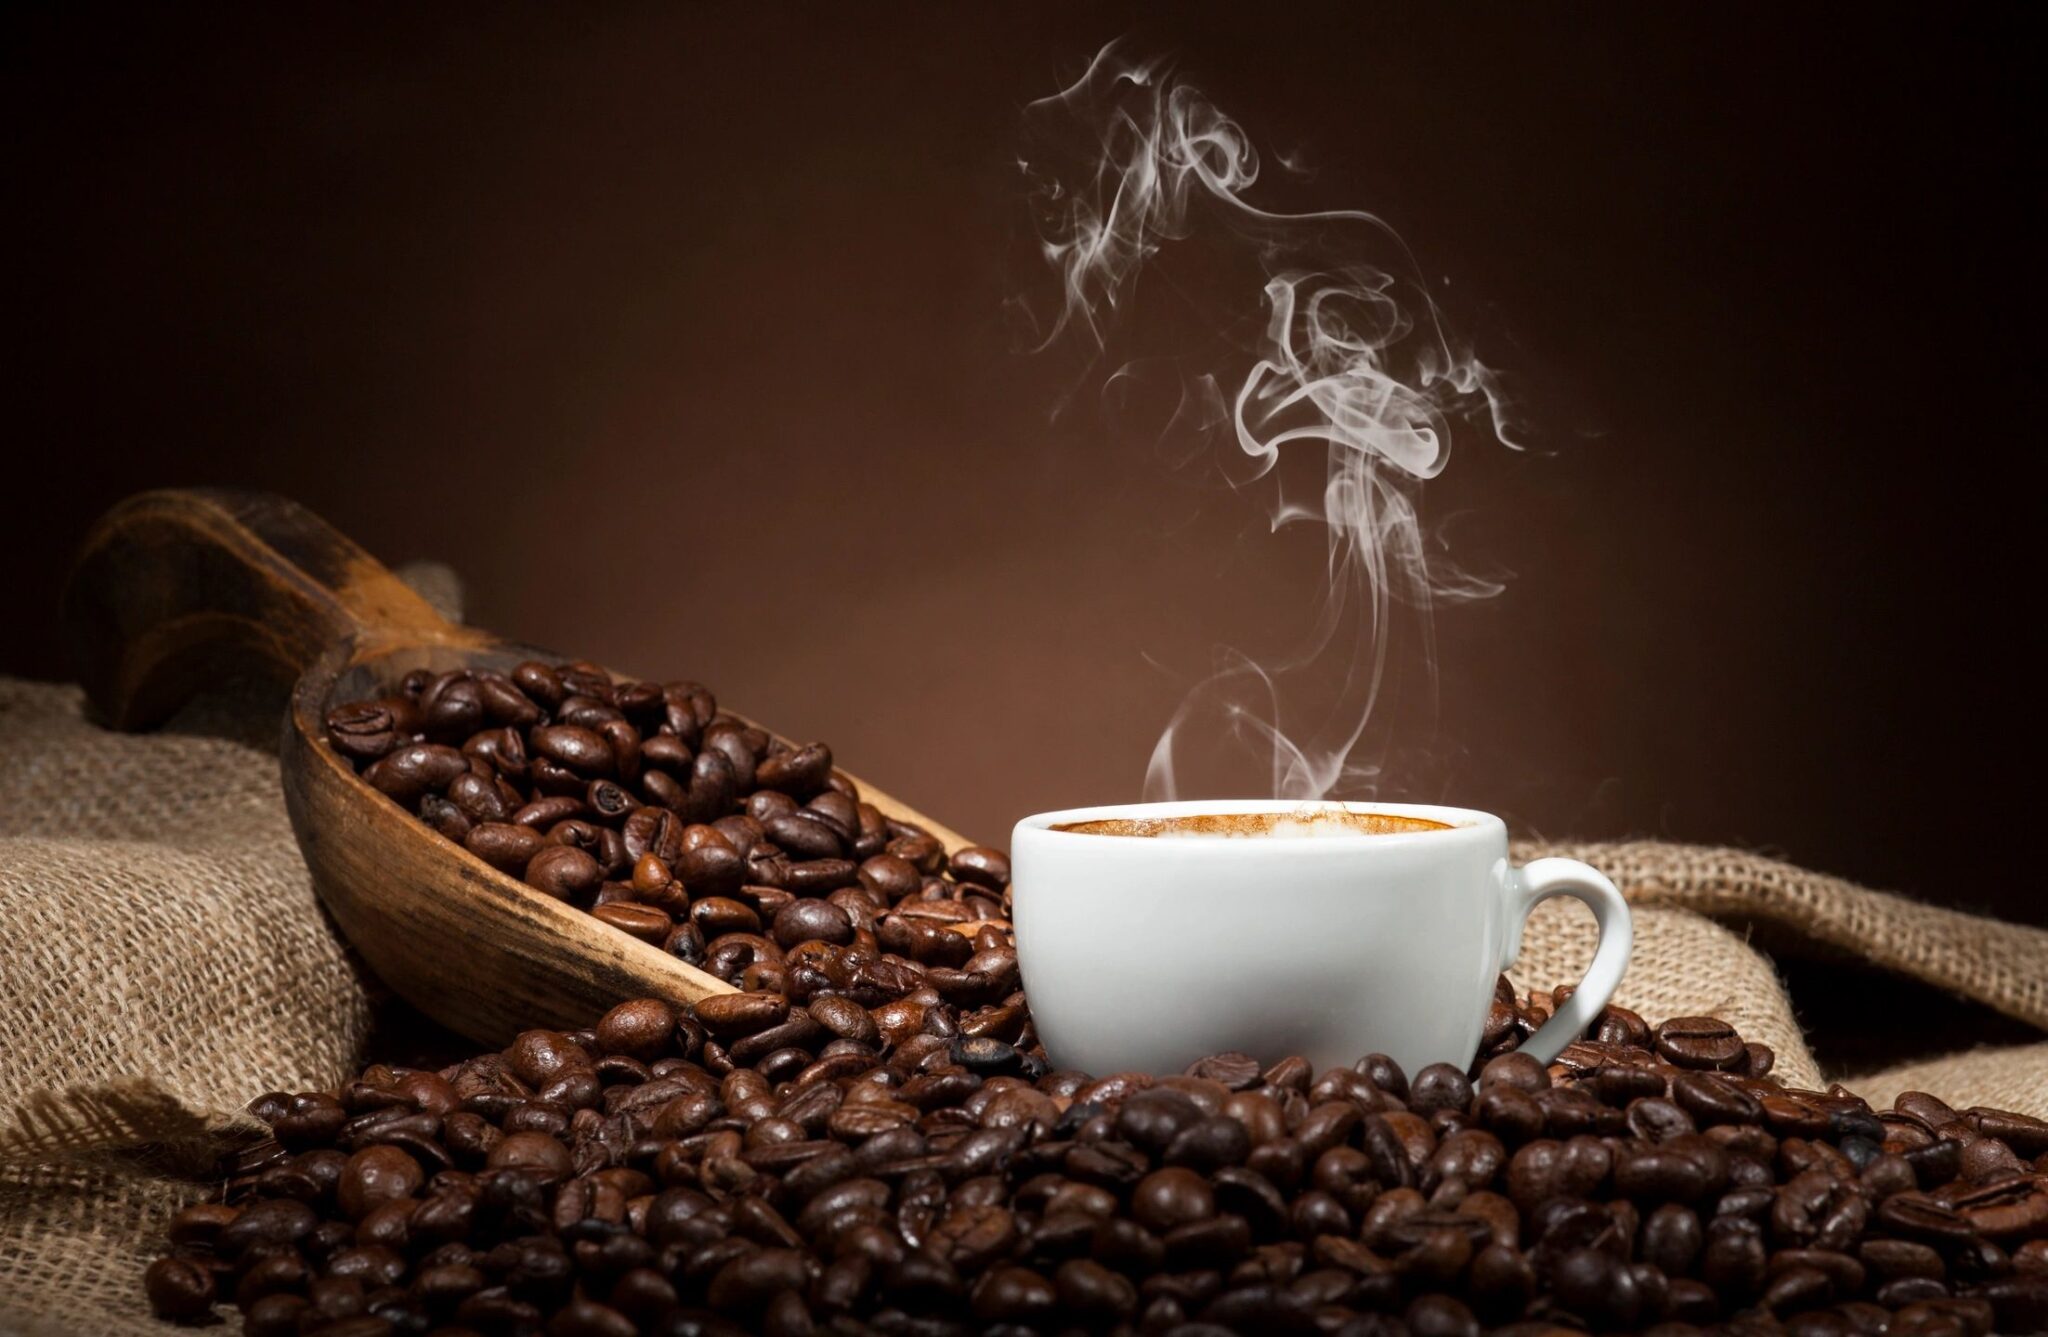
[176, 591]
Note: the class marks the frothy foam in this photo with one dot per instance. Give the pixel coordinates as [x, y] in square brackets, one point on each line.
[1294, 827]
[1300, 824]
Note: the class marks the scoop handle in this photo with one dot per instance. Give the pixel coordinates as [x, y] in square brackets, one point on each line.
[179, 589]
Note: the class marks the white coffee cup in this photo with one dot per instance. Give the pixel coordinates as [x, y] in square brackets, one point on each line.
[1146, 952]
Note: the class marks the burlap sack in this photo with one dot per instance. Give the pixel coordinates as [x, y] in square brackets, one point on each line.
[1687, 965]
[163, 959]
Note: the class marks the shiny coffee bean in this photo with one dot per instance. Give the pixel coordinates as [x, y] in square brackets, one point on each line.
[1699, 1042]
[564, 872]
[179, 1289]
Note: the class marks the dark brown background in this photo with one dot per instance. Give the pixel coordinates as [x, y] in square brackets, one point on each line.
[679, 331]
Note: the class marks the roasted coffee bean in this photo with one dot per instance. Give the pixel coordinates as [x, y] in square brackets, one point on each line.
[180, 1289]
[982, 866]
[412, 771]
[564, 872]
[2010, 1208]
[2023, 1134]
[1510, 1114]
[1438, 1087]
[1714, 1100]
[374, 1176]
[538, 1057]
[481, 799]
[710, 869]
[920, 850]
[720, 915]
[685, 942]
[807, 920]
[1699, 1042]
[1209, 1144]
[800, 773]
[1094, 1293]
[1655, 1119]
[452, 706]
[1237, 1072]
[732, 741]
[575, 748]
[1672, 1238]
[609, 802]
[1172, 1197]
[730, 1016]
[891, 876]
[1441, 1316]
[504, 702]
[652, 831]
[446, 819]
[845, 1018]
[1735, 1258]
[1917, 1216]
[199, 1225]
[803, 835]
[540, 683]
[362, 731]
[642, 1029]
[640, 921]
[505, 846]
[537, 1155]
[266, 1225]
[544, 814]
[1517, 1070]
[819, 877]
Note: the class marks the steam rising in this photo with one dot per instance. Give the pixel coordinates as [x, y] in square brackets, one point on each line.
[1355, 360]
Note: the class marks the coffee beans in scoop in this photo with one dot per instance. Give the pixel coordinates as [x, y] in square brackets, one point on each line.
[837, 1160]
[680, 825]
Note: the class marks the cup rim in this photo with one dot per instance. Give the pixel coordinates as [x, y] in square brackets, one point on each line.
[1040, 825]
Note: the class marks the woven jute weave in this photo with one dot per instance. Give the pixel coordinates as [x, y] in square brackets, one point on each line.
[163, 959]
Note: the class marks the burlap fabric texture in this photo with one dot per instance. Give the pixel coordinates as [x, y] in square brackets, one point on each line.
[163, 959]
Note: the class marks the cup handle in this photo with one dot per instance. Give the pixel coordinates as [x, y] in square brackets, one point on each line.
[1536, 882]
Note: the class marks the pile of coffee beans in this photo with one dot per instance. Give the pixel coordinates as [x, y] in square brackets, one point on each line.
[762, 1163]
[689, 829]
[867, 1139]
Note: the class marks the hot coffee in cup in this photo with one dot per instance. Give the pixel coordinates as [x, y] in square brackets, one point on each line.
[1150, 935]
[1313, 819]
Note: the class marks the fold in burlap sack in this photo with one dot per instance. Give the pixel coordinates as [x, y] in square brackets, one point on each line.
[1683, 963]
[163, 959]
